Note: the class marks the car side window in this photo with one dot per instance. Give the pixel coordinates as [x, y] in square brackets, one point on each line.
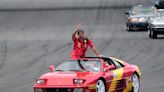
[110, 63]
[117, 64]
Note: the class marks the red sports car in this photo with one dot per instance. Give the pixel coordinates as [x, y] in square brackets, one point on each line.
[91, 74]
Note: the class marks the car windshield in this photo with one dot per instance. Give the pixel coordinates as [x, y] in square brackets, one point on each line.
[80, 65]
[143, 10]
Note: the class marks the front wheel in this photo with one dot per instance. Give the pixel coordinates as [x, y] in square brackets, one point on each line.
[135, 83]
[128, 28]
[154, 34]
[150, 33]
[100, 86]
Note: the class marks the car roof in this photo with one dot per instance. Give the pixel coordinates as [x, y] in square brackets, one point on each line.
[143, 7]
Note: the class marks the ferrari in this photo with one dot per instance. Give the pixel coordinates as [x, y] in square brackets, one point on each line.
[90, 74]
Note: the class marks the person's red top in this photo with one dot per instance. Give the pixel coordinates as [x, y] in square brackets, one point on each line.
[80, 48]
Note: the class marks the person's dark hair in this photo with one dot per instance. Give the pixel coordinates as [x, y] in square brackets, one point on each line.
[80, 31]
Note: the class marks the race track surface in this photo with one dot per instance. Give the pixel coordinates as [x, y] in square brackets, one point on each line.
[32, 40]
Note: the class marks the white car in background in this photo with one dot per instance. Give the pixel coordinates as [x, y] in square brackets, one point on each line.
[156, 24]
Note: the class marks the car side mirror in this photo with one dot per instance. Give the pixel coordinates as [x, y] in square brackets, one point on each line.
[127, 12]
[110, 67]
[52, 68]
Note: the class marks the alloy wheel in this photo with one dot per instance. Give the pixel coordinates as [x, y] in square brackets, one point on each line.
[135, 83]
[100, 86]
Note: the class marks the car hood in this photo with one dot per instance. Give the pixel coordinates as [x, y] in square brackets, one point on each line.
[66, 78]
[158, 21]
[142, 15]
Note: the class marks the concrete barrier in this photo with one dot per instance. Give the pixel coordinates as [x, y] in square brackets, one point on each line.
[58, 4]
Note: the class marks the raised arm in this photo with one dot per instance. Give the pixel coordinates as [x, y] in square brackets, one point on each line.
[75, 32]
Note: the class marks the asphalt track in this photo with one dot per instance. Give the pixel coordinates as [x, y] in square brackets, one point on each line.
[31, 40]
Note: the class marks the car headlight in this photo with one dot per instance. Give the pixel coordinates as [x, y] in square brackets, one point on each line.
[40, 81]
[38, 90]
[78, 81]
[133, 20]
[142, 20]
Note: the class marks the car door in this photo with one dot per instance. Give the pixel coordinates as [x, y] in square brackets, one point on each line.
[125, 82]
[117, 82]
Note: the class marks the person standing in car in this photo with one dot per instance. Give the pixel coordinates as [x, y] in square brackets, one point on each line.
[81, 44]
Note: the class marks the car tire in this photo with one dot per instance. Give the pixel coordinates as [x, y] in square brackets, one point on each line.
[154, 34]
[127, 28]
[150, 33]
[100, 86]
[135, 83]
